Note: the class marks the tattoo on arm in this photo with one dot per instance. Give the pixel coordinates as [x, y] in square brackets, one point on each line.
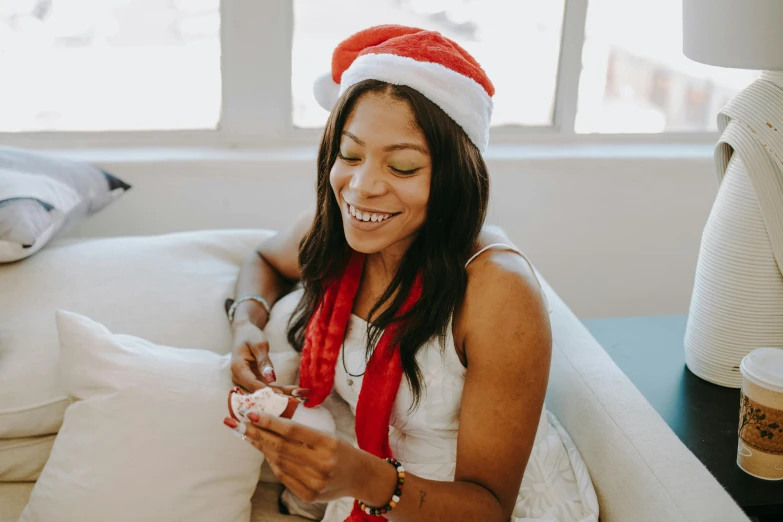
[422, 498]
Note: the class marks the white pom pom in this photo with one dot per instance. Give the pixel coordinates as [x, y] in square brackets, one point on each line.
[326, 91]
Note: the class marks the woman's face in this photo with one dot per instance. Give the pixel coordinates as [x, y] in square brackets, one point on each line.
[382, 174]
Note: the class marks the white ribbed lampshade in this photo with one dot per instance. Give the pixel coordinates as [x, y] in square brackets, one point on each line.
[742, 34]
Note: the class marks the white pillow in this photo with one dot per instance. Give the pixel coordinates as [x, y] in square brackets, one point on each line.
[42, 195]
[169, 289]
[144, 439]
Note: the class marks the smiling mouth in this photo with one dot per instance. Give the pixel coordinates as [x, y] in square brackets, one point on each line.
[373, 217]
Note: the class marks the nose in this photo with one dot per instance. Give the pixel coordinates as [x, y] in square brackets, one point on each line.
[367, 181]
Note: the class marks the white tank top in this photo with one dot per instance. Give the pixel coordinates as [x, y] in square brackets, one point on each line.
[424, 439]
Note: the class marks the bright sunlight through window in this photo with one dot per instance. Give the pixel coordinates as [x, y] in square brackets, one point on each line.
[109, 64]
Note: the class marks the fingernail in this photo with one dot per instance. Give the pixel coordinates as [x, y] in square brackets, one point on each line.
[269, 374]
[253, 417]
[300, 392]
[231, 423]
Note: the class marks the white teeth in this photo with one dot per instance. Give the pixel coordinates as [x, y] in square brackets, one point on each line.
[366, 216]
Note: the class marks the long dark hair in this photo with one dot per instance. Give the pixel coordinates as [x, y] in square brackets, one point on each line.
[457, 206]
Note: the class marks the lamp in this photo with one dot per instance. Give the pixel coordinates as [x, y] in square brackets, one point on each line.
[737, 302]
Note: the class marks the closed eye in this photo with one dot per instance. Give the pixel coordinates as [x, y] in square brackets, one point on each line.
[347, 159]
[405, 172]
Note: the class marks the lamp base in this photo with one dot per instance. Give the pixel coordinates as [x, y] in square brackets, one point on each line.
[737, 302]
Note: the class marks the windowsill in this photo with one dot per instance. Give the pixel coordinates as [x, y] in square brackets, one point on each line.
[501, 152]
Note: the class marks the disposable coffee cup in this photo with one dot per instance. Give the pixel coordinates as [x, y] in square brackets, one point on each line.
[760, 445]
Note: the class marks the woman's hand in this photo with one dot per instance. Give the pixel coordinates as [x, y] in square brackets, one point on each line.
[315, 466]
[251, 367]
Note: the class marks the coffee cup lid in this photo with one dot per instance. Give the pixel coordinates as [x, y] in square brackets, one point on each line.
[764, 367]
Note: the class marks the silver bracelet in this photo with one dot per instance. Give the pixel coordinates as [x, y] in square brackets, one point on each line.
[257, 298]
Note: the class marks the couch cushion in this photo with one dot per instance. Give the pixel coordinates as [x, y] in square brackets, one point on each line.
[640, 469]
[13, 498]
[21, 460]
[168, 289]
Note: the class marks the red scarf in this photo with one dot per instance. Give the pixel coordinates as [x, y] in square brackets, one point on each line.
[324, 337]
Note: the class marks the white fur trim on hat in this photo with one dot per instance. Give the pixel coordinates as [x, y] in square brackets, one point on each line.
[459, 96]
[326, 92]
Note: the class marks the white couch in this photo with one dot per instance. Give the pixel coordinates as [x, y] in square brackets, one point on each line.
[640, 469]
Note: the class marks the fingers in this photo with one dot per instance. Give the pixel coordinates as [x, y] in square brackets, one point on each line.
[300, 394]
[260, 352]
[308, 493]
[289, 390]
[277, 448]
[306, 471]
[292, 431]
[243, 376]
[293, 462]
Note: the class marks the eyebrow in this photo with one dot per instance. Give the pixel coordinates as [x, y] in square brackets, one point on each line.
[390, 148]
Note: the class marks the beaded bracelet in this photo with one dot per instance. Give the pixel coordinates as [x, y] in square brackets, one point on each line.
[377, 512]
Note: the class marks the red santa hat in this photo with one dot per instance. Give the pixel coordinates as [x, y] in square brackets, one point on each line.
[426, 61]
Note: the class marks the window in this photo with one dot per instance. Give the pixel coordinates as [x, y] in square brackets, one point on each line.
[109, 65]
[240, 72]
[517, 43]
[635, 77]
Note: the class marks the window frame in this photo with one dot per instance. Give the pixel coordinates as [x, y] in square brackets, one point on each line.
[256, 101]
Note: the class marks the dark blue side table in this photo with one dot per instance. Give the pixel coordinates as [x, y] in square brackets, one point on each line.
[705, 416]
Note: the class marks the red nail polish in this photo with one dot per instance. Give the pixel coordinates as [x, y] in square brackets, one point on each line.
[253, 417]
[269, 375]
[231, 423]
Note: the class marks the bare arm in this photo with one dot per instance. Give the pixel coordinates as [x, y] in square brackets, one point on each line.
[508, 346]
[269, 272]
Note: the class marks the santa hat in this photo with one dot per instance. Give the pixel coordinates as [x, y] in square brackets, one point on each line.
[426, 61]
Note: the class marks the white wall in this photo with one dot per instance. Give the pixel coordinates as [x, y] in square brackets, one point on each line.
[616, 231]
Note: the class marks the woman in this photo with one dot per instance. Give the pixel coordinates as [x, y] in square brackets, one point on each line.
[397, 283]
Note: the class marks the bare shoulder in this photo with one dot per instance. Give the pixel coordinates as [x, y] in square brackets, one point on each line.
[503, 299]
[499, 270]
[499, 278]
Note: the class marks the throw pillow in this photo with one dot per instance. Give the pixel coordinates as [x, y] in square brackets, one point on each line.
[43, 195]
[168, 289]
[144, 437]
